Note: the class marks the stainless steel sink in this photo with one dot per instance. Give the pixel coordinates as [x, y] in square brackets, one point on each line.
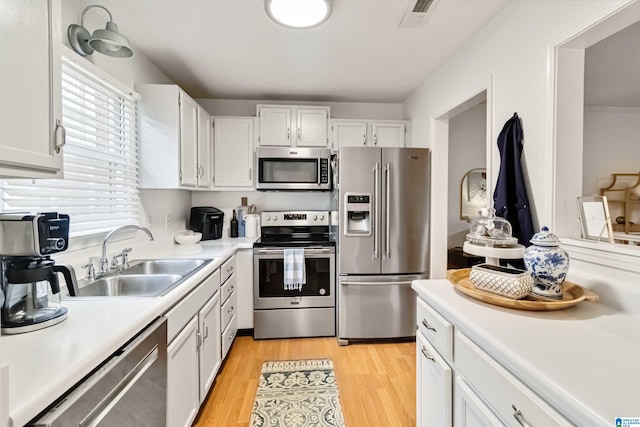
[163, 266]
[143, 278]
[129, 286]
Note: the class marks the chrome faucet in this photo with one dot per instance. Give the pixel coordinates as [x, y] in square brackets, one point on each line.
[104, 262]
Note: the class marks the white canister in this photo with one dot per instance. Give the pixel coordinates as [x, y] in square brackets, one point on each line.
[251, 225]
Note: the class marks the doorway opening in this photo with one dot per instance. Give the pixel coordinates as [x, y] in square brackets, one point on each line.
[461, 143]
[597, 115]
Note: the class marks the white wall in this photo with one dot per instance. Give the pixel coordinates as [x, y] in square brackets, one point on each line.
[467, 146]
[611, 145]
[511, 55]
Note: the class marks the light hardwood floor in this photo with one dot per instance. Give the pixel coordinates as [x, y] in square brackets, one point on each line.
[377, 382]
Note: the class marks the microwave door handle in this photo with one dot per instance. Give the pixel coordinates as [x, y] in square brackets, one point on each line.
[376, 193]
[319, 171]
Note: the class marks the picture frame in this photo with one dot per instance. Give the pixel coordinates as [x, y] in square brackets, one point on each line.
[594, 219]
[473, 193]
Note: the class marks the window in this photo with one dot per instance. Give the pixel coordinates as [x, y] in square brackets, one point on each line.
[100, 186]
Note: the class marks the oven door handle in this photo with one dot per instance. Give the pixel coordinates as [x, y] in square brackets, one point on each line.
[281, 251]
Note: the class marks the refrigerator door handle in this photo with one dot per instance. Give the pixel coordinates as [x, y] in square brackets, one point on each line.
[381, 283]
[376, 194]
[387, 249]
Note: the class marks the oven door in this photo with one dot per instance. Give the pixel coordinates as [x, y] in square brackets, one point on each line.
[268, 279]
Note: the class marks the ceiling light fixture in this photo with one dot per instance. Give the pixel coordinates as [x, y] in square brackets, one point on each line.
[108, 41]
[298, 14]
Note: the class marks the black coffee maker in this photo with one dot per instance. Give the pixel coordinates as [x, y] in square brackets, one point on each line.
[28, 276]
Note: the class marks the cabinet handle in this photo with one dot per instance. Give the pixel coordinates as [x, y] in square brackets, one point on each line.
[299, 134]
[517, 414]
[428, 326]
[426, 354]
[63, 135]
[364, 139]
[230, 310]
[206, 330]
[250, 173]
[375, 139]
[198, 340]
[288, 134]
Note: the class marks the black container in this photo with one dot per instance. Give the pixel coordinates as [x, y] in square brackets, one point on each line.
[208, 221]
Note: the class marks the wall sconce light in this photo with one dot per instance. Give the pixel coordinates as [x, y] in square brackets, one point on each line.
[298, 14]
[108, 41]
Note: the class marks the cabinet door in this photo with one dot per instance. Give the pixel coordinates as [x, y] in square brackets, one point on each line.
[205, 149]
[30, 88]
[311, 127]
[349, 133]
[388, 134]
[434, 386]
[188, 141]
[210, 349]
[275, 126]
[233, 151]
[183, 400]
[470, 410]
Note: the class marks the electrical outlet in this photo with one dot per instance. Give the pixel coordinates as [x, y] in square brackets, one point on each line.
[167, 220]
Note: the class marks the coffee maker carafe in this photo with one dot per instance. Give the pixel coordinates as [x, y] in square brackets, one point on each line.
[28, 276]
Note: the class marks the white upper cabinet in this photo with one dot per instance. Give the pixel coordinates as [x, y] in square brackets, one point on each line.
[349, 133]
[295, 126]
[174, 136]
[388, 134]
[205, 149]
[31, 133]
[368, 133]
[188, 140]
[233, 142]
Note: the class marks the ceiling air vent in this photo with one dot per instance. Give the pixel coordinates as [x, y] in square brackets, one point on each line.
[416, 14]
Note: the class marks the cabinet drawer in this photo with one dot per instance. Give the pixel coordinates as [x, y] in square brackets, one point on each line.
[228, 310]
[228, 268]
[501, 390]
[228, 335]
[183, 312]
[436, 328]
[228, 288]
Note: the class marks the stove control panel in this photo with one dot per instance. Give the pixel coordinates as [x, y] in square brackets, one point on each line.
[294, 218]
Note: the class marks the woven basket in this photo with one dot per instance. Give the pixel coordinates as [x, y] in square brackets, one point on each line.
[504, 284]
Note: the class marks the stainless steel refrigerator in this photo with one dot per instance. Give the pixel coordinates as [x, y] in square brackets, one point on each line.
[383, 240]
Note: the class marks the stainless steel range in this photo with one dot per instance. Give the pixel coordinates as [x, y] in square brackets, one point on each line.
[309, 311]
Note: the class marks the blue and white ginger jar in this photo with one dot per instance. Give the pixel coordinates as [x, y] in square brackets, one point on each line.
[548, 264]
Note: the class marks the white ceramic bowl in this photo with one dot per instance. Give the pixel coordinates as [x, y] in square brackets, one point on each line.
[188, 237]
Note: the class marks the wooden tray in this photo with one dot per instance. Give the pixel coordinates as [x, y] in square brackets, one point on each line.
[572, 294]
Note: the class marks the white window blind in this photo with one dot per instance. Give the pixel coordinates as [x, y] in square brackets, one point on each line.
[100, 186]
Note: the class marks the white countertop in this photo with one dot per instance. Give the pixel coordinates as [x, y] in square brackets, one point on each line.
[584, 360]
[46, 363]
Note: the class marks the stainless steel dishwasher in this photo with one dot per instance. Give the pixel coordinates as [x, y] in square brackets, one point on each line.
[129, 389]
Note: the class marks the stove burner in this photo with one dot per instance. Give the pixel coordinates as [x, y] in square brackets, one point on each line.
[295, 229]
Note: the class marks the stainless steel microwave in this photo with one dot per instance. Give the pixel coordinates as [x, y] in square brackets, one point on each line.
[293, 168]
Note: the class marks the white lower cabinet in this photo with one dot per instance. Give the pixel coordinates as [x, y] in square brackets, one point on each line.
[470, 410]
[194, 352]
[434, 386]
[183, 393]
[244, 279]
[228, 312]
[210, 356]
[485, 393]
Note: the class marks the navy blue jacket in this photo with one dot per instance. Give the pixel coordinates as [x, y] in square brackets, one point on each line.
[510, 196]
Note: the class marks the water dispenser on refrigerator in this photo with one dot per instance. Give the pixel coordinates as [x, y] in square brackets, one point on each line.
[357, 219]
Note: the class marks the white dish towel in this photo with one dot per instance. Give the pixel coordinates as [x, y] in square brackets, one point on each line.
[294, 273]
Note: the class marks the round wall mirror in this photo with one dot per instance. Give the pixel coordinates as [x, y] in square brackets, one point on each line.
[473, 193]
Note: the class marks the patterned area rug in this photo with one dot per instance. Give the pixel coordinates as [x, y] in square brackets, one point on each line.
[297, 393]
